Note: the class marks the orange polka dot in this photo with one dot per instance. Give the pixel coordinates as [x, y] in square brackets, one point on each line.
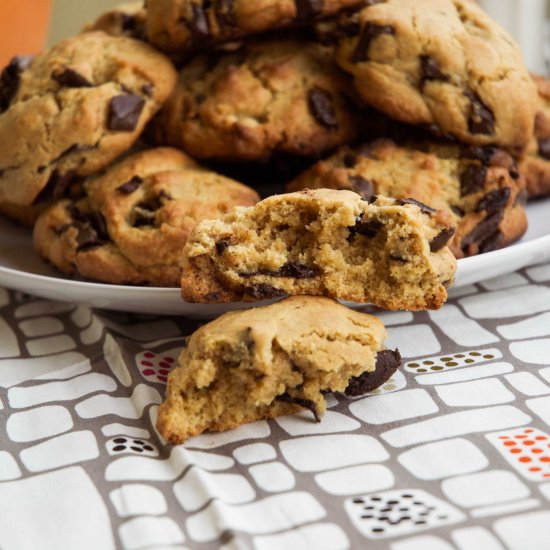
[545, 475]
[516, 450]
[525, 459]
[534, 469]
[544, 458]
[528, 442]
[528, 430]
[536, 450]
[541, 437]
[510, 443]
[521, 436]
[503, 437]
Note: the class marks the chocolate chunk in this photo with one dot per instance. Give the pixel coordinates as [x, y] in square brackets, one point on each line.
[308, 9]
[305, 403]
[472, 179]
[494, 201]
[9, 79]
[544, 148]
[431, 69]
[128, 22]
[56, 187]
[130, 186]
[91, 227]
[370, 32]
[483, 154]
[398, 259]
[458, 211]
[424, 208]
[86, 237]
[349, 160]
[321, 106]
[364, 187]
[483, 230]
[212, 297]
[124, 112]
[263, 291]
[145, 212]
[147, 89]
[481, 119]
[387, 362]
[296, 270]
[71, 79]
[492, 242]
[437, 243]
[369, 228]
[223, 244]
[225, 14]
[198, 24]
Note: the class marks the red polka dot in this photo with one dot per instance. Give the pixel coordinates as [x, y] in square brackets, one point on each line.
[149, 354]
[516, 450]
[165, 365]
[148, 372]
[510, 443]
[168, 359]
[544, 458]
[525, 459]
[147, 363]
[528, 442]
[534, 469]
[164, 371]
[161, 377]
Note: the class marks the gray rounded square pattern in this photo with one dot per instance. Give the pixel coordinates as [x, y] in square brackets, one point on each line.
[399, 512]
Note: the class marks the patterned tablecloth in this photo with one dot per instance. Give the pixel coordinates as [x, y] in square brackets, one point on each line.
[452, 453]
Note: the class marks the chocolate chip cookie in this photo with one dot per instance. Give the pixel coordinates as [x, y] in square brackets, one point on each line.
[443, 64]
[266, 97]
[182, 26]
[69, 112]
[535, 164]
[123, 20]
[389, 252]
[270, 361]
[133, 223]
[481, 188]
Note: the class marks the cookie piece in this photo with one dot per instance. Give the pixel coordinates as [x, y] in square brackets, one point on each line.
[481, 188]
[270, 361]
[266, 97]
[123, 20]
[389, 252]
[182, 26]
[444, 64]
[72, 110]
[535, 165]
[134, 221]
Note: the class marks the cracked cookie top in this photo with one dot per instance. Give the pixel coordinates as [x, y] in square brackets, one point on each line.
[443, 64]
[68, 112]
[268, 96]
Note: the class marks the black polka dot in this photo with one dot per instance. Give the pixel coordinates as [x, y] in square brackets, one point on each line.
[148, 448]
[138, 449]
[119, 440]
[358, 500]
[119, 448]
[138, 441]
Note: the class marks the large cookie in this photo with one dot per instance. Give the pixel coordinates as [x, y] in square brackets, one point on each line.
[133, 223]
[181, 26]
[70, 111]
[480, 187]
[389, 252]
[443, 64]
[270, 361]
[535, 165]
[266, 97]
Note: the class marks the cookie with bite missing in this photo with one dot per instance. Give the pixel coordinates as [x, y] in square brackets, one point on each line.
[443, 64]
[135, 218]
[389, 252]
[70, 111]
[480, 188]
[270, 361]
[267, 97]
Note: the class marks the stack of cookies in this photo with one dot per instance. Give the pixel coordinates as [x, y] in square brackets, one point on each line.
[406, 134]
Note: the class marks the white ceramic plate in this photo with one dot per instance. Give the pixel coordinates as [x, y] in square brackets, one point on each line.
[22, 270]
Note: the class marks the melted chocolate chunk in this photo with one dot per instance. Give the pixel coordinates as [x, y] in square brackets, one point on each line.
[431, 69]
[482, 119]
[56, 187]
[71, 79]
[494, 201]
[369, 228]
[86, 237]
[223, 244]
[483, 154]
[544, 148]
[308, 9]
[198, 24]
[438, 242]
[387, 362]
[321, 106]
[263, 291]
[91, 227]
[472, 179]
[424, 208]
[364, 187]
[124, 112]
[305, 403]
[370, 32]
[225, 14]
[294, 270]
[130, 186]
[483, 231]
[492, 242]
[9, 79]
[145, 212]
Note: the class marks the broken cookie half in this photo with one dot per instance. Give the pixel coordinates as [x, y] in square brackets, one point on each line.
[392, 253]
[273, 360]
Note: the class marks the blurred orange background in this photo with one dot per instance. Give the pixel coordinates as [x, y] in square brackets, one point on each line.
[23, 27]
